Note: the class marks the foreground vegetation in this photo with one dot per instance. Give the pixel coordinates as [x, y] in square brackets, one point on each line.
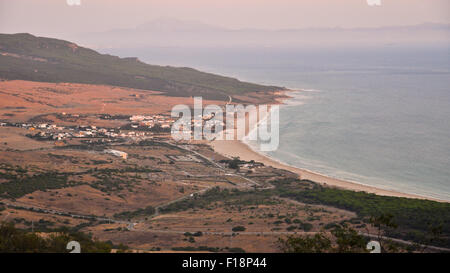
[20, 241]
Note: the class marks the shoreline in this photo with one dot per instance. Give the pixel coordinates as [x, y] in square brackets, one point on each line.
[238, 148]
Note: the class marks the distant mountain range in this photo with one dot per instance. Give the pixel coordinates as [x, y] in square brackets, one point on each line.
[27, 57]
[168, 24]
[175, 33]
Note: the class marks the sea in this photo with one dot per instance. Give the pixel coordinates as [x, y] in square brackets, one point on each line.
[375, 116]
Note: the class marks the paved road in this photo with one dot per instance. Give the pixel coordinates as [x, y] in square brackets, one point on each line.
[405, 242]
[220, 167]
[231, 233]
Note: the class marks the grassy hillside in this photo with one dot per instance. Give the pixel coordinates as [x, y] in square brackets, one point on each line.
[26, 57]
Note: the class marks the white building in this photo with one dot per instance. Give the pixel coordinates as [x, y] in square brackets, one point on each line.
[117, 153]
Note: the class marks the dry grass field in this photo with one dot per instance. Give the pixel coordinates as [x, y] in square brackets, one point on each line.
[103, 186]
[23, 100]
[264, 225]
[138, 201]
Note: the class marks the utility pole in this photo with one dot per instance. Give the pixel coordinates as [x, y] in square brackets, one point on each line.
[231, 240]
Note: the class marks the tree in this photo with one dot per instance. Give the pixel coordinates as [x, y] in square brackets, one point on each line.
[238, 228]
[342, 239]
[348, 240]
[319, 243]
[384, 223]
[234, 164]
[433, 236]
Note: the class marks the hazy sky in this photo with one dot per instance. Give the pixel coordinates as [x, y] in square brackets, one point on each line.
[56, 16]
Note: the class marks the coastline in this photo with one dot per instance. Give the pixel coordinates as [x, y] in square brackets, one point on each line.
[238, 148]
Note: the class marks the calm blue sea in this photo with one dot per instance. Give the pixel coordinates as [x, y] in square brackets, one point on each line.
[379, 117]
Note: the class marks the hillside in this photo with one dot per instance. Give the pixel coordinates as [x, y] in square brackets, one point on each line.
[26, 57]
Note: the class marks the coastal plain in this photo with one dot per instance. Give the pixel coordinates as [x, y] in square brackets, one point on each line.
[84, 157]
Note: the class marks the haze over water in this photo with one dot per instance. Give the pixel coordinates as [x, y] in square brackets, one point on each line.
[380, 117]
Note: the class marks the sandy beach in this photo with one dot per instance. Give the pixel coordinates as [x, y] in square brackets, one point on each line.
[237, 148]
